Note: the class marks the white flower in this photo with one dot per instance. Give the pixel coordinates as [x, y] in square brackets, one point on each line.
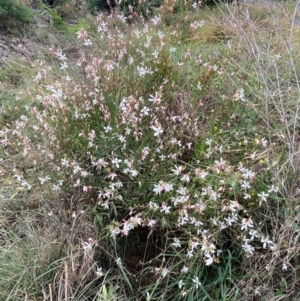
[190, 253]
[153, 206]
[184, 293]
[284, 267]
[87, 42]
[196, 24]
[107, 129]
[157, 130]
[114, 232]
[194, 5]
[181, 284]
[196, 282]
[151, 223]
[18, 177]
[162, 157]
[246, 196]
[133, 172]
[264, 142]
[277, 56]
[245, 185]
[257, 291]
[230, 220]
[56, 188]
[248, 248]
[38, 77]
[155, 99]
[87, 246]
[119, 261]
[209, 259]
[143, 71]
[239, 95]
[177, 170]
[183, 220]
[185, 178]
[116, 162]
[273, 189]
[253, 234]
[127, 227]
[168, 187]
[155, 54]
[246, 223]
[200, 173]
[195, 244]
[208, 247]
[162, 186]
[248, 174]
[145, 111]
[165, 272]
[184, 270]
[208, 142]
[165, 209]
[63, 66]
[44, 180]
[266, 242]
[156, 20]
[157, 189]
[262, 196]
[176, 243]
[99, 272]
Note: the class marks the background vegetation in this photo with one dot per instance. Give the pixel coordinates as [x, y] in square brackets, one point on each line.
[152, 154]
[12, 13]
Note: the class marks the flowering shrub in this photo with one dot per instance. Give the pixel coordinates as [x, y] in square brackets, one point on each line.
[129, 129]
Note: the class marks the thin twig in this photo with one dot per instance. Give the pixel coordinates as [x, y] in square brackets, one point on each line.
[66, 281]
